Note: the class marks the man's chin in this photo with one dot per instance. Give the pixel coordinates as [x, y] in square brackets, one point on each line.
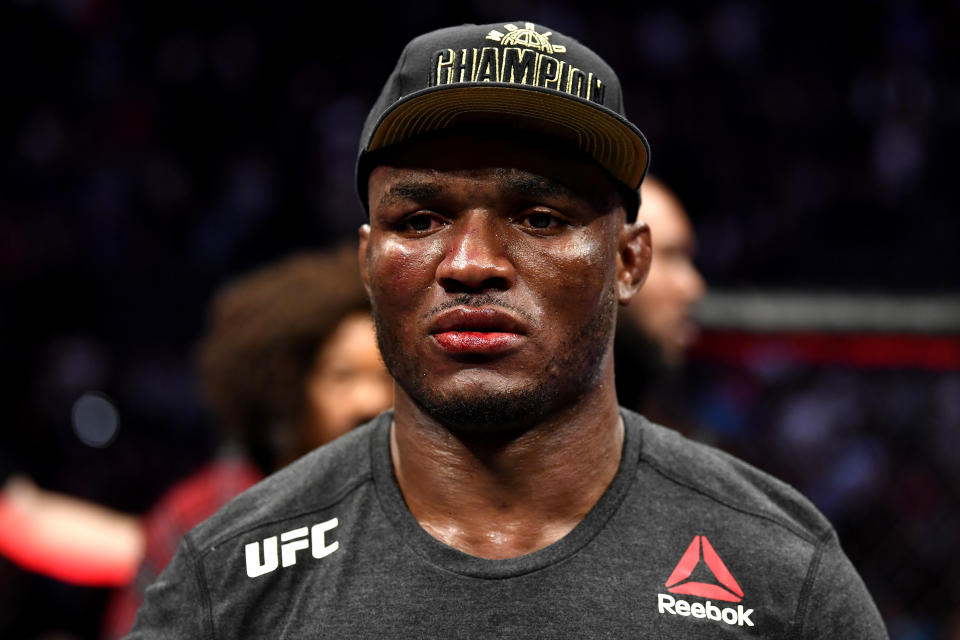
[500, 412]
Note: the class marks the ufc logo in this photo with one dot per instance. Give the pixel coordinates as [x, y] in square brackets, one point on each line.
[314, 538]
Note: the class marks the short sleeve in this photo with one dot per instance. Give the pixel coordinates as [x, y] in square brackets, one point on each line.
[177, 604]
[838, 604]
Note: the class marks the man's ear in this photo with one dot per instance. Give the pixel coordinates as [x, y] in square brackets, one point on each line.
[634, 253]
[363, 237]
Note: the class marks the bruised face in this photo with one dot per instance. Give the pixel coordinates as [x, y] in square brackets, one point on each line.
[494, 268]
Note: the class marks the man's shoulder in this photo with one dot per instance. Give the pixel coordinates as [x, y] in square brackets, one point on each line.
[726, 480]
[314, 483]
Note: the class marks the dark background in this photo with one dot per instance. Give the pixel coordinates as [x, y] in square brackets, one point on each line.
[152, 150]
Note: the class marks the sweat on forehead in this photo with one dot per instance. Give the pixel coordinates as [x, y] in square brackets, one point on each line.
[523, 164]
[513, 181]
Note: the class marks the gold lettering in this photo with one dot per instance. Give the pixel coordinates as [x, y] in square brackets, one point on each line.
[595, 89]
[488, 69]
[519, 65]
[562, 76]
[463, 70]
[577, 82]
[442, 67]
[549, 71]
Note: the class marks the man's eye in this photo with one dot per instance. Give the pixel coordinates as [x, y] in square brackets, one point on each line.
[419, 222]
[540, 220]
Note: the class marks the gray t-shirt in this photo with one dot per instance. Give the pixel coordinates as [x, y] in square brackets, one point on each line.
[687, 542]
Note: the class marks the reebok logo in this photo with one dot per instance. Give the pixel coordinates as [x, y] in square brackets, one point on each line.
[690, 560]
[728, 590]
[675, 606]
[314, 537]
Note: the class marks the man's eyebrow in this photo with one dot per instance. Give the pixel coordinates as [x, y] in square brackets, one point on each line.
[533, 186]
[415, 191]
[536, 187]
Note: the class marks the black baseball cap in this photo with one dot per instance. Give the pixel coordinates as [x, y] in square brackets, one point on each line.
[519, 74]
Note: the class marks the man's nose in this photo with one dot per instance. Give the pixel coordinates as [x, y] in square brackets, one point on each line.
[474, 259]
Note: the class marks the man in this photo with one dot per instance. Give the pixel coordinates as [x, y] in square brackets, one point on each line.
[656, 329]
[507, 495]
[662, 308]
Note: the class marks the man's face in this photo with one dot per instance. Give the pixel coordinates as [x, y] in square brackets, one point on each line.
[662, 309]
[494, 268]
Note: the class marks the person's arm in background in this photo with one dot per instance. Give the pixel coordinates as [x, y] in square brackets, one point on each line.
[67, 538]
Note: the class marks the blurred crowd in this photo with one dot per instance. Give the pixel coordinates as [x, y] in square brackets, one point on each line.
[878, 451]
[152, 152]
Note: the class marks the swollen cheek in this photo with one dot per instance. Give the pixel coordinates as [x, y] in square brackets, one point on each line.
[399, 269]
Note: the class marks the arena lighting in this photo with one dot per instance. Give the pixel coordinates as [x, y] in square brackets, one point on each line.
[776, 311]
[871, 331]
[95, 419]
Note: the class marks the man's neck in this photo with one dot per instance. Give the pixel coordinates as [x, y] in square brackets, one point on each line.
[506, 495]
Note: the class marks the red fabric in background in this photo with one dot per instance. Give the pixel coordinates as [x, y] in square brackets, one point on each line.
[183, 507]
[868, 350]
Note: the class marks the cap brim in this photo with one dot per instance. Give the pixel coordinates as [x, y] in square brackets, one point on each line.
[604, 135]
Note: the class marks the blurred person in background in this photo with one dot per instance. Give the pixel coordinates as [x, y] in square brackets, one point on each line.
[290, 359]
[289, 362]
[657, 328]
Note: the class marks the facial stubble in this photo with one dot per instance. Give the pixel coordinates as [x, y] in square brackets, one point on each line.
[573, 370]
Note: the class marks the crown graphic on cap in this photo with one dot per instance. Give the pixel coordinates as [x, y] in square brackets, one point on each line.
[526, 37]
[524, 78]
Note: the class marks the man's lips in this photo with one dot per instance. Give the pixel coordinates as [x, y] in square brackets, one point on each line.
[481, 331]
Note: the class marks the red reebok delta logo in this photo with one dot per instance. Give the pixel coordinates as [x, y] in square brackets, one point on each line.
[701, 547]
